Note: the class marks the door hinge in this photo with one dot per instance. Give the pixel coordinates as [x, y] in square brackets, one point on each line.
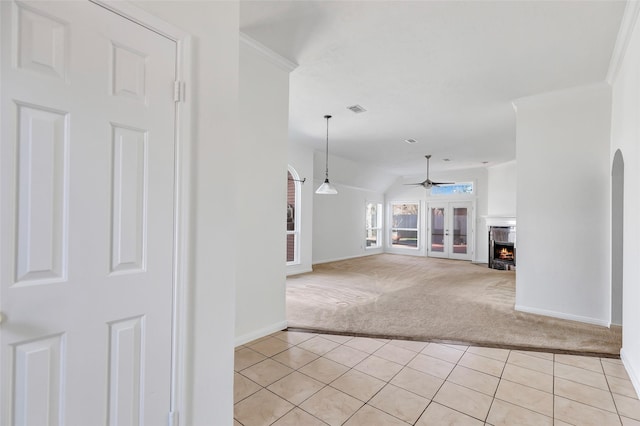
[178, 91]
[172, 418]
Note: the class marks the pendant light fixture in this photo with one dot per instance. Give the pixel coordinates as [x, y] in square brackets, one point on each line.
[326, 188]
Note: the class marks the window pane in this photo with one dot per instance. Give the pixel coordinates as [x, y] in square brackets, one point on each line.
[291, 247]
[405, 216]
[372, 238]
[404, 238]
[456, 188]
[372, 215]
[404, 225]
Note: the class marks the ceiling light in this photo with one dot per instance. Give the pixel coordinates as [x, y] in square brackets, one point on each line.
[410, 141]
[326, 188]
[356, 108]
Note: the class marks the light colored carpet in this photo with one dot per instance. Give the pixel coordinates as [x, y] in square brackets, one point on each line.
[431, 299]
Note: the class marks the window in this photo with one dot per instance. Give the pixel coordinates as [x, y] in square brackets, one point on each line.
[404, 225]
[453, 189]
[293, 217]
[373, 221]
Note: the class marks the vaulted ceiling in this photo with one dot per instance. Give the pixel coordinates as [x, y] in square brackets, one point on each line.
[444, 73]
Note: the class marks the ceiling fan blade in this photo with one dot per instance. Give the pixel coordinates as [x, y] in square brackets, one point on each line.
[428, 183]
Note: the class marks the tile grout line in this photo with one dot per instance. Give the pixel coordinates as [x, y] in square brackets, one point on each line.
[615, 404]
[445, 381]
[405, 365]
[493, 399]
[294, 370]
[352, 368]
[297, 370]
[387, 382]
[553, 387]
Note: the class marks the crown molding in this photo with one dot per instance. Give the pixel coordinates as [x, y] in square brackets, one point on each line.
[629, 19]
[270, 55]
[560, 92]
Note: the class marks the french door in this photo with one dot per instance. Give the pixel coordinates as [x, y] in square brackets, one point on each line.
[450, 230]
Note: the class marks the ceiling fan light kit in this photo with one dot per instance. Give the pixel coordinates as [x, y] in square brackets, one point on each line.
[326, 188]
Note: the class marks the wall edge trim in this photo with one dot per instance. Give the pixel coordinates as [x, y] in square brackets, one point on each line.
[273, 57]
[337, 259]
[562, 315]
[264, 331]
[629, 20]
[299, 271]
[633, 374]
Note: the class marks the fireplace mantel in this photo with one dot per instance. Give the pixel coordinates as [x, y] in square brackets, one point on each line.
[500, 220]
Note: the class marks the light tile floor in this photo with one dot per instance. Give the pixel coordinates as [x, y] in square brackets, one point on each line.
[307, 379]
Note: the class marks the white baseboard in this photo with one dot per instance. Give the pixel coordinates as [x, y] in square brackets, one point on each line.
[337, 259]
[562, 315]
[406, 252]
[265, 331]
[298, 271]
[633, 374]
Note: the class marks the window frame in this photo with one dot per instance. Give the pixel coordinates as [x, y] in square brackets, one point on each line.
[393, 229]
[296, 217]
[379, 226]
[453, 194]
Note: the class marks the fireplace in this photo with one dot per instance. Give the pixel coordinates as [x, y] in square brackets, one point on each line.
[502, 247]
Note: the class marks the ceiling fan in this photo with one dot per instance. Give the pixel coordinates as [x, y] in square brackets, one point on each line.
[428, 183]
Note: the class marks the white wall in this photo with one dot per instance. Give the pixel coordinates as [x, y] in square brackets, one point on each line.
[213, 98]
[339, 220]
[502, 185]
[562, 146]
[261, 197]
[301, 159]
[399, 192]
[625, 135]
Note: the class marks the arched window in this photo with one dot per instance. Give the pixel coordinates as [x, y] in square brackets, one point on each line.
[293, 217]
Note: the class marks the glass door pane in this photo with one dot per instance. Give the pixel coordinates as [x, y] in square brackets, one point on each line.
[437, 229]
[460, 220]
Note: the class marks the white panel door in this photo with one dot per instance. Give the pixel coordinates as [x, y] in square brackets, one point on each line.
[450, 230]
[86, 216]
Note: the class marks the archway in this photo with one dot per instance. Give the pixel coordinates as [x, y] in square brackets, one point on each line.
[617, 227]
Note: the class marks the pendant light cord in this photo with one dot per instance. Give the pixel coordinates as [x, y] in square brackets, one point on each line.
[326, 170]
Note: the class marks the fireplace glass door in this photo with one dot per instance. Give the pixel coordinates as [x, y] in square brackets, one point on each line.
[450, 230]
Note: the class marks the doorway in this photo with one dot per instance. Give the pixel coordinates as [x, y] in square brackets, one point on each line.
[617, 236]
[450, 230]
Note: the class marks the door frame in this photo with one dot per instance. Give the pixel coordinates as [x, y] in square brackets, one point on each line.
[182, 200]
[449, 205]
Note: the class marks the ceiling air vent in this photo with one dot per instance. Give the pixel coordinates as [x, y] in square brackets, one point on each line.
[410, 140]
[356, 108]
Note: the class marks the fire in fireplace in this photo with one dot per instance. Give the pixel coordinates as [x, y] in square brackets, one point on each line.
[502, 247]
[503, 252]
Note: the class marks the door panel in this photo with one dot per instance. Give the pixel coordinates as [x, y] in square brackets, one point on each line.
[450, 230]
[86, 216]
[42, 146]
